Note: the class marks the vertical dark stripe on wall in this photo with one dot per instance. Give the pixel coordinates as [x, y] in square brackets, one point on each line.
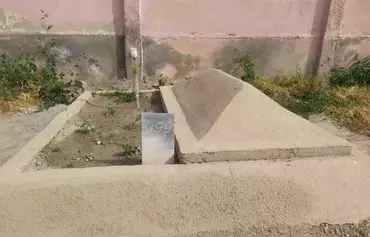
[118, 20]
[319, 27]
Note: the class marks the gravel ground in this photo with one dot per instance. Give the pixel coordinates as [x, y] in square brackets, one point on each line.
[361, 229]
[17, 130]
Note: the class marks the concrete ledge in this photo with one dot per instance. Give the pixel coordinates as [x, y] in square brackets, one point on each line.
[102, 92]
[182, 200]
[35, 145]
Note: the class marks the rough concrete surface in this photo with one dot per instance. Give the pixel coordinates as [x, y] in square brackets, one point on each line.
[178, 200]
[219, 117]
[51, 125]
[360, 141]
[17, 130]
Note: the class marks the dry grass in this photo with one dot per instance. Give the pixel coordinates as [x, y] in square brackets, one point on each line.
[24, 100]
[300, 95]
[344, 95]
[347, 106]
[353, 110]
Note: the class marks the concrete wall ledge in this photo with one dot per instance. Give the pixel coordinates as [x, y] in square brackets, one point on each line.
[182, 200]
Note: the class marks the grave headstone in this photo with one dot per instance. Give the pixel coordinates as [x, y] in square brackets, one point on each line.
[157, 138]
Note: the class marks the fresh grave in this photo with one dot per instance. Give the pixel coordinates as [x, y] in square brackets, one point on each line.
[221, 118]
[106, 132]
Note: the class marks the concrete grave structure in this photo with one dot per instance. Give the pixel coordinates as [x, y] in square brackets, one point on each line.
[219, 118]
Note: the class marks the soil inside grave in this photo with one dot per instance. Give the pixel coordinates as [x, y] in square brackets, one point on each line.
[79, 150]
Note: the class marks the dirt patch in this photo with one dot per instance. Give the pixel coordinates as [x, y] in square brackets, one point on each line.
[114, 140]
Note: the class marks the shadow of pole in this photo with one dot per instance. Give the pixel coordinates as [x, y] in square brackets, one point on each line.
[319, 27]
[119, 26]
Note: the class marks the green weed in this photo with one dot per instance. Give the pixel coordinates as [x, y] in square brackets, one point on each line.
[87, 126]
[22, 75]
[135, 69]
[109, 111]
[129, 150]
[125, 97]
[247, 65]
[356, 74]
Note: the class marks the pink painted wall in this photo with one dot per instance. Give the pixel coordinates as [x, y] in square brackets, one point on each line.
[68, 16]
[203, 27]
[239, 17]
[356, 20]
[206, 27]
[178, 17]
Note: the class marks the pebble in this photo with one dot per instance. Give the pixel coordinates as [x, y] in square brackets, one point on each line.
[326, 229]
[55, 149]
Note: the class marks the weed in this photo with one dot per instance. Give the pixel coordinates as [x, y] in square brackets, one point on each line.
[59, 92]
[356, 74]
[247, 65]
[84, 157]
[129, 150]
[345, 99]
[22, 75]
[135, 69]
[89, 157]
[353, 108]
[87, 126]
[125, 97]
[109, 111]
[121, 96]
[298, 94]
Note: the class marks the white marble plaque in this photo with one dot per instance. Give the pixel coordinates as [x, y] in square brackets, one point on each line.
[157, 138]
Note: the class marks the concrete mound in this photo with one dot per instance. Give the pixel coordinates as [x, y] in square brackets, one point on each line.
[221, 118]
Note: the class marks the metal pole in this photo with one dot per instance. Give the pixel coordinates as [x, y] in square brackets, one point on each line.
[135, 71]
[137, 90]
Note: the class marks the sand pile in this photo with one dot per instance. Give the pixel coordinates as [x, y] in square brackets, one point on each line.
[219, 117]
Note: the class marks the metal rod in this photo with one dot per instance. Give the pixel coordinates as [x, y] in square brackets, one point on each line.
[137, 90]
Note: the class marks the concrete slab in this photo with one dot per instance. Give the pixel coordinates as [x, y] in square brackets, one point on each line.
[185, 200]
[219, 117]
[17, 130]
[24, 156]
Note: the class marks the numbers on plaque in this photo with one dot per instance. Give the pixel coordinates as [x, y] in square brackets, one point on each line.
[148, 126]
[167, 127]
[159, 126]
